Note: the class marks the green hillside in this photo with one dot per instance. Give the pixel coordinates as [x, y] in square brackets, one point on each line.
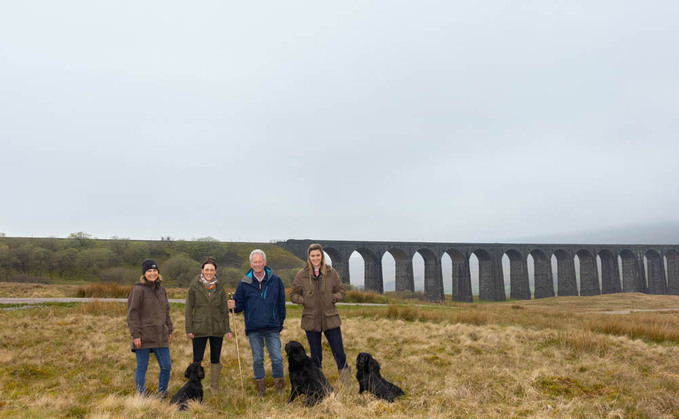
[81, 258]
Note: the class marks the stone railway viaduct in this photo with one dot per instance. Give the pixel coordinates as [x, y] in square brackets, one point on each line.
[652, 269]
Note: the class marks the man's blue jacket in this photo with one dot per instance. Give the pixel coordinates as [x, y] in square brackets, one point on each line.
[263, 303]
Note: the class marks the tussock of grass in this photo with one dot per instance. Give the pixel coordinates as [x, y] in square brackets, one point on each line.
[365, 297]
[99, 308]
[558, 386]
[653, 327]
[471, 317]
[423, 314]
[583, 342]
[114, 406]
[103, 290]
[395, 312]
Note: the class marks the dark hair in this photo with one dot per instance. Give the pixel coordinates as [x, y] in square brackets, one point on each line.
[209, 260]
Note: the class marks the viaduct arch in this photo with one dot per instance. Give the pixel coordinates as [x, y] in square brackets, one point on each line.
[603, 269]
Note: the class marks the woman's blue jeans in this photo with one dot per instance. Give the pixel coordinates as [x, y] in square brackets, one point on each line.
[273, 344]
[164, 362]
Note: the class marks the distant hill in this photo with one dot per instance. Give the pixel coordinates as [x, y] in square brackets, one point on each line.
[83, 258]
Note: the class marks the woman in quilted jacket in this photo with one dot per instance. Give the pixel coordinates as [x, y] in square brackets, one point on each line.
[207, 318]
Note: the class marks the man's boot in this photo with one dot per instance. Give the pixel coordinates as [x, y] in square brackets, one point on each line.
[260, 386]
[215, 370]
[279, 384]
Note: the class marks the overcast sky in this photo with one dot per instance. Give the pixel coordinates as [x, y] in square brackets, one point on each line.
[372, 120]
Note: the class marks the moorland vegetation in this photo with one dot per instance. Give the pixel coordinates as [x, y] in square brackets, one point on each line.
[556, 357]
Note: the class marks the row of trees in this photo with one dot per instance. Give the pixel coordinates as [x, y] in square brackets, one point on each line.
[81, 257]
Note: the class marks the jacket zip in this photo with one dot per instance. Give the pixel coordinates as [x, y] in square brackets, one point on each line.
[262, 294]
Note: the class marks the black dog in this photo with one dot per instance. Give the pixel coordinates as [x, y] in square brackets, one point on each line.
[305, 377]
[370, 379]
[193, 389]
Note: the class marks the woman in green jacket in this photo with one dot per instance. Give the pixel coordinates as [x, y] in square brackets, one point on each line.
[207, 318]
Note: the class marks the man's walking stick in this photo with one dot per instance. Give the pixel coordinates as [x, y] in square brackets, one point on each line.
[235, 335]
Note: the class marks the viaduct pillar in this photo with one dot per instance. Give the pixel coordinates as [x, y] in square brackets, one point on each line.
[610, 273]
[656, 273]
[565, 264]
[544, 281]
[491, 282]
[462, 278]
[589, 279]
[672, 272]
[518, 276]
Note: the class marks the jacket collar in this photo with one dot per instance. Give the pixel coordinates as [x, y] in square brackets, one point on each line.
[267, 274]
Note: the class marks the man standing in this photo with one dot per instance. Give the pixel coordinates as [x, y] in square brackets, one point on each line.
[261, 296]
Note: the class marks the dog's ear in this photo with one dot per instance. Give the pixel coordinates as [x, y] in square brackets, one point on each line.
[187, 373]
[374, 366]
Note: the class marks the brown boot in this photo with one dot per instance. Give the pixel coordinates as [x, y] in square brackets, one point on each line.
[215, 370]
[260, 385]
[279, 384]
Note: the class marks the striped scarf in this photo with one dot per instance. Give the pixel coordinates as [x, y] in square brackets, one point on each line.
[209, 285]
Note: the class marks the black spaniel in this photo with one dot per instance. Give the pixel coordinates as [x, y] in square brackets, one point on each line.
[305, 377]
[370, 379]
[193, 389]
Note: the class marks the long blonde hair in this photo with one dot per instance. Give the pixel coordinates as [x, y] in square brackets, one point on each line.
[324, 267]
[143, 279]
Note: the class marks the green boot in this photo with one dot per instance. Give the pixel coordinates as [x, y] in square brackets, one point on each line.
[215, 370]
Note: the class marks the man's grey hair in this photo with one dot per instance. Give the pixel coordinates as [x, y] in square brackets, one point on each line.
[257, 252]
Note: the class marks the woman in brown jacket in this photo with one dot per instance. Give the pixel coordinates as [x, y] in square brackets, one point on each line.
[318, 287]
[148, 317]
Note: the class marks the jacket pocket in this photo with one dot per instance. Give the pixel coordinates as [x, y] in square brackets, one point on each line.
[332, 321]
[308, 322]
[219, 327]
[198, 327]
[151, 335]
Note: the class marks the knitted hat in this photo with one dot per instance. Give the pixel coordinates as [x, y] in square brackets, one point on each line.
[148, 264]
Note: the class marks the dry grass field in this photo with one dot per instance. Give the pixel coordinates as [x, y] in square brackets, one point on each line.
[560, 357]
